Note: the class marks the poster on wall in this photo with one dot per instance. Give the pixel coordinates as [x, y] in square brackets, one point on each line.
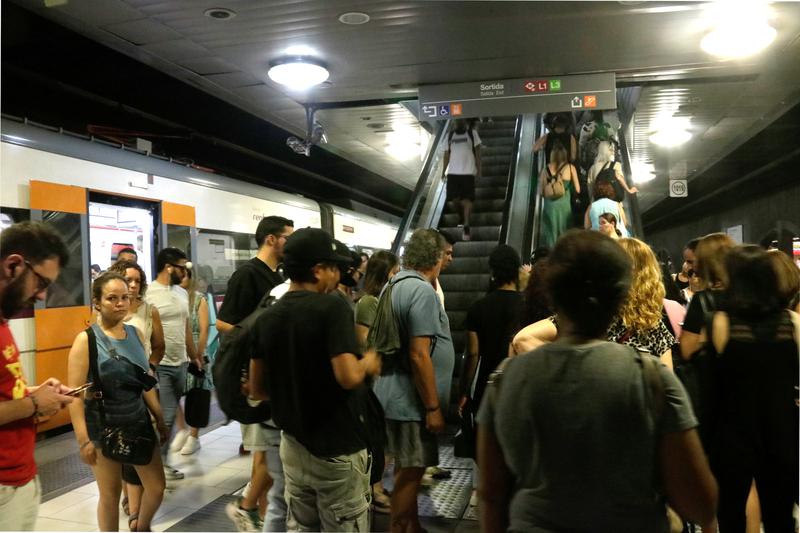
[736, 233]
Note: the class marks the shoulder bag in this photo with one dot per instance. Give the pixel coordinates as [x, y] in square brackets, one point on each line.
[124, 444]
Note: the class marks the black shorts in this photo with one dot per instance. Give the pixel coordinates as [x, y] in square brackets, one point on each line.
[460, 186]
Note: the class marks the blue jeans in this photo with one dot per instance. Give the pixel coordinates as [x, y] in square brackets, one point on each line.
[275, 520]
[171, 386]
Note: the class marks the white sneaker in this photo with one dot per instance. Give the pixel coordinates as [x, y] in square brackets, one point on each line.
[191, 446]
[473, 499]
[179, 440]
[246, 490]
[172, 474]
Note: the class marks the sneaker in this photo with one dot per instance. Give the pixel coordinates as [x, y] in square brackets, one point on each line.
[246, 490]
[473, 499]
[243, 519]
[437, 472]
[191, 446]
[179, 441]
[172, 473]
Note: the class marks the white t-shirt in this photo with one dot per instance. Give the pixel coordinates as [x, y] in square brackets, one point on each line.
[462, 156]
[174, 313]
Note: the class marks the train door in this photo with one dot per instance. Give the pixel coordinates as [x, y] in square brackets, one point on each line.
[117, 223]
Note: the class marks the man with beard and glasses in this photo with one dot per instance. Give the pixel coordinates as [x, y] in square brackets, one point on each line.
[31, 257]
[174, 311]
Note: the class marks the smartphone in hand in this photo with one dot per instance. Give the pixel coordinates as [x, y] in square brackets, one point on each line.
[79, 390]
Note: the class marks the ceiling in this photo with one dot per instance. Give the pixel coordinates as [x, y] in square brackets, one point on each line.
[408, 44]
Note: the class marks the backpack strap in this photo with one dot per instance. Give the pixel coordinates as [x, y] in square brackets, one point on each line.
[95, 371]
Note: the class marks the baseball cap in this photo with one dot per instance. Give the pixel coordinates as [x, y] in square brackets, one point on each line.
[309, 246]
[353, 261]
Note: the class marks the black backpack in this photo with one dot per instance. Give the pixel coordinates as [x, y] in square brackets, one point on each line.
[232, 366]
[471, 140]
[609, 175]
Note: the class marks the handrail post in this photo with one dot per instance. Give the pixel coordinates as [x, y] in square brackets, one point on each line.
[424, 174]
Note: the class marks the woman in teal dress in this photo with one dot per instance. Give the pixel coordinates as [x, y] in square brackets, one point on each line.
[556, 182]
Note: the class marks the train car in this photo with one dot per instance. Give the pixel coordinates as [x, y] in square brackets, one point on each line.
[103, 198]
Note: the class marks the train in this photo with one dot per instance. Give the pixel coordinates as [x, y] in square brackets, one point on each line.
[103, 197]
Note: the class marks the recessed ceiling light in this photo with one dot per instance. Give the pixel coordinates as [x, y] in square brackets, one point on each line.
[670, 137]
[731, 42]
[298, 73]
[354, 18]
[738, 29]
[219, 13]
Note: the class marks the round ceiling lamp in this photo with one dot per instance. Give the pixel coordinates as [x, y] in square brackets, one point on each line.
[732, 42]
[354, 18]
[298, 73]
[670, 137]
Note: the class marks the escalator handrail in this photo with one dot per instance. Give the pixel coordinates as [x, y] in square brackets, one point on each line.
[512, 174]
[424, 175]
[538, 165]
[635, 214]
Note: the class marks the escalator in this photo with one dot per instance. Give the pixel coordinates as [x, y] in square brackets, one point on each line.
[467, 279]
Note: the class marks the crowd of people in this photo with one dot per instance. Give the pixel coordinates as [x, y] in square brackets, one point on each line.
[601, 402]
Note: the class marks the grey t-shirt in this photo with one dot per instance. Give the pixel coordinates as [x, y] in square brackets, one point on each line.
[174, 312]
[419, 314]
[578, 437]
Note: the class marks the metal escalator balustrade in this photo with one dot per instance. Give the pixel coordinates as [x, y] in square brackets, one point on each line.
[467, 279]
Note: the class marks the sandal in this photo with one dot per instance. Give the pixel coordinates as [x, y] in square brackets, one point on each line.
[125, 508]
[131, 519]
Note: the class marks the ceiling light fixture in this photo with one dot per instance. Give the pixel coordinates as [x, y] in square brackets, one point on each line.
[219, 13]
[354, 18]
[670, 137]
[740, 29]
[642, 172]
[298, 73]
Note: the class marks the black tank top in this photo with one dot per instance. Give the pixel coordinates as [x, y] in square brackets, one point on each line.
[759, 393]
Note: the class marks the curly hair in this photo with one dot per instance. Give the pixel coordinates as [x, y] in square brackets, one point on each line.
[424, 249]
[121, 266]
[642, 308]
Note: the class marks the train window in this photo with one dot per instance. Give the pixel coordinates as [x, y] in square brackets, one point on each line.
[115, 227]
[180, 237]
[67, 291]
[219, 254]
[12, 215]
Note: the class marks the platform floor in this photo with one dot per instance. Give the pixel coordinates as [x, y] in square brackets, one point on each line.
[213, 476]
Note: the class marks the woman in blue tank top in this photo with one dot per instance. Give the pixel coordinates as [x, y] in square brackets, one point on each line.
[128, 399]
[605, 202]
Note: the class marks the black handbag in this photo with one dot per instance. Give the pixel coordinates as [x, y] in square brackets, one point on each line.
[699, 375]
[464, 441]
[130, 444]
[198, 405]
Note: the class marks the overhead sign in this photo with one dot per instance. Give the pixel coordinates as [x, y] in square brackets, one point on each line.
[678, 188]
[523, 95]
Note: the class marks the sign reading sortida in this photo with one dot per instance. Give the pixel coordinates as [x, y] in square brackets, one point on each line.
[522, 95]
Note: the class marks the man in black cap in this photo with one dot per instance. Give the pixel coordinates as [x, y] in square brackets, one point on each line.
[306, 361]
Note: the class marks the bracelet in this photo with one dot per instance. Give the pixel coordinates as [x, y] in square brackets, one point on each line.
[432, 409]
[85, 444]
[35, 405]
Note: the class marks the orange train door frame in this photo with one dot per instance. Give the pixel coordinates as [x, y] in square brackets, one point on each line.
[56, 328]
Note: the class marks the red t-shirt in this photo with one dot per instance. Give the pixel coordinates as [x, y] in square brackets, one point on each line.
[17, 438]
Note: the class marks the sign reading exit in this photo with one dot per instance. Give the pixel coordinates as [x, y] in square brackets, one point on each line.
[513, 97]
